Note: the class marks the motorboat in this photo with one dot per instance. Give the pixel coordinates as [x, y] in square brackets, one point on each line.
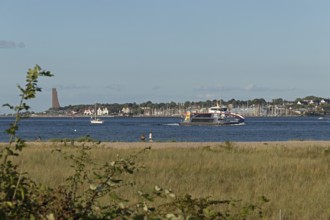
[216, 115]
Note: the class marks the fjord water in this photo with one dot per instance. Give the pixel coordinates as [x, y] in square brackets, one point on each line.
[167, 129]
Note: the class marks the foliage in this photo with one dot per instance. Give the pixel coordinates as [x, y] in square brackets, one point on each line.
[80, 196]
[84, 139]
[17, 195]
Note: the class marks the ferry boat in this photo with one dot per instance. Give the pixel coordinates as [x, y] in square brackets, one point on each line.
[215, 115]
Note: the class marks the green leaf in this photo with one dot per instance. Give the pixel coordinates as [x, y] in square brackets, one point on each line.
[115, 197]
[22, 194]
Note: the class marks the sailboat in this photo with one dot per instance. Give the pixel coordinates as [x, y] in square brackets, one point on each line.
[95, 120]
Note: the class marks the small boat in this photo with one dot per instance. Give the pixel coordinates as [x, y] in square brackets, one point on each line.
[95, 120]
[216, 115]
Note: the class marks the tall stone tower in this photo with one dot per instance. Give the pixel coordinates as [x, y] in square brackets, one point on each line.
[55, 103]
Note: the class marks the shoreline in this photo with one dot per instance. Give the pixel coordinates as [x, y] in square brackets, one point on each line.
[162, 145]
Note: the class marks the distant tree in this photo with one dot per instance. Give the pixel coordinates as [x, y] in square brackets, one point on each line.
[313, 98]
[326, 108]
[115, 108]
[232, 101]
[187, 104]
[172, 105]
[310, 97]
[259, 101]
[147, 104]
[278, 101]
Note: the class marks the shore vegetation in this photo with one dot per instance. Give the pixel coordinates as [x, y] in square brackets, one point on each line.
[293, 176]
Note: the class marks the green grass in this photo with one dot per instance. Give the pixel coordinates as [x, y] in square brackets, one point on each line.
[295, 179]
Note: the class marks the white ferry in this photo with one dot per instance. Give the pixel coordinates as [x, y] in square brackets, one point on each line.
[215, 115]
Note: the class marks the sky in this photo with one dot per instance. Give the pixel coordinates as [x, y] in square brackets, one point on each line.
[125, 51]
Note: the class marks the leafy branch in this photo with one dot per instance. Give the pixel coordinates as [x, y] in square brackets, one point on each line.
[26, 93]
[15, 188]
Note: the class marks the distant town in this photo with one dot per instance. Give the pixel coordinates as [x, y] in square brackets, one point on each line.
[307, 106]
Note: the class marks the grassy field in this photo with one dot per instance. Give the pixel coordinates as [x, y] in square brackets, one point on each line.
[294, 175]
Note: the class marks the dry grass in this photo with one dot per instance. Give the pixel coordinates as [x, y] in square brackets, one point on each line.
[293, 175]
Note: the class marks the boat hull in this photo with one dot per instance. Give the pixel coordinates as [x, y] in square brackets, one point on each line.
[213, 119]
[96, 121]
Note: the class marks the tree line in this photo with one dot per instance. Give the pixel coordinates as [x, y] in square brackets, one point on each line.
[312, 104]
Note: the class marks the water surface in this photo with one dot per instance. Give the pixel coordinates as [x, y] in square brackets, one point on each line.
[168, 129]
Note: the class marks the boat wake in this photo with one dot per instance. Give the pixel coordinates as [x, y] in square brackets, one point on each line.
[240, 124]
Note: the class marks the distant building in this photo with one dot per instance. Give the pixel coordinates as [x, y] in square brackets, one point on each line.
[55, 102]
[88, 112]
[147, 111]
[105, 111]
[126, 110]
[99, 111]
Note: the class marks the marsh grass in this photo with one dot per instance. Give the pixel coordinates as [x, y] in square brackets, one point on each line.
[296, 180]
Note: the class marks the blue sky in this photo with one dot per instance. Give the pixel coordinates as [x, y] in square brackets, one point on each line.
[175, 50]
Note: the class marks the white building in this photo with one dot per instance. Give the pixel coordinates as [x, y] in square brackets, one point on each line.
[88, 112]
[126, 110]
[103, 111]
[99, 111]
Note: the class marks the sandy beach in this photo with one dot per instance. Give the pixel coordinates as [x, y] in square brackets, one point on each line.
[161, 145]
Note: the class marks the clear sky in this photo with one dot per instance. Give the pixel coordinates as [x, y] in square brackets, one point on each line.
[109, 51]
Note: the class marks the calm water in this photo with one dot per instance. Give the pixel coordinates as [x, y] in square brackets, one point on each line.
[168, 129]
